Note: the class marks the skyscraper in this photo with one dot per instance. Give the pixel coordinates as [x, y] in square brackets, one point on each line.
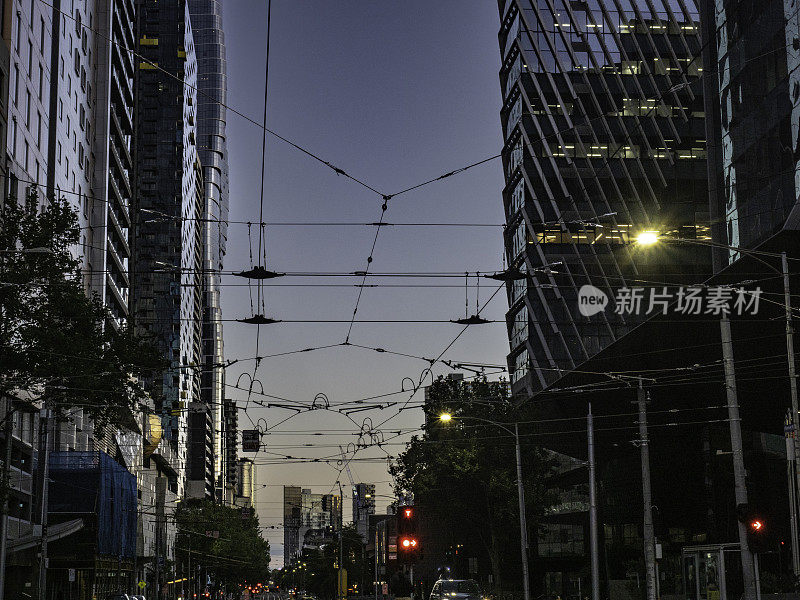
[363, 507]
[167, 213]
[753, 88]
[206, 463]
[308, 516]
[604, 135]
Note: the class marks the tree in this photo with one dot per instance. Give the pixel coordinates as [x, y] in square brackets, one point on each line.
[56, 342]
[463, 475]
[234, 553]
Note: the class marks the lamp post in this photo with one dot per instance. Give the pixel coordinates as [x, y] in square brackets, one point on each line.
[749, 563]
[523, 528]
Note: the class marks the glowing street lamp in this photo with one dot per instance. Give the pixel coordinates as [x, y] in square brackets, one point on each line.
[445, 417]
[647, 238]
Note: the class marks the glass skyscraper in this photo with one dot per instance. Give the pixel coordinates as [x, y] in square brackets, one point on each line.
[603, 123]
[207, 432]
[168, 209]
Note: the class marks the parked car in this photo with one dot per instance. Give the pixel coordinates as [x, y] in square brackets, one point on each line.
[456, 589]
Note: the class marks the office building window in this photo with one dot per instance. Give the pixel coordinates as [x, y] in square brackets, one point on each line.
[28, 109]
[38, 129]
[16, 84]
[14, 136]
[27, 153]
[19, 34]
[30, 57]
[59, 153]
[41, 81]
[41, 35]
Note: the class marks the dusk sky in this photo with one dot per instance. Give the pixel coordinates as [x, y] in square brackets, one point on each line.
[394, 93]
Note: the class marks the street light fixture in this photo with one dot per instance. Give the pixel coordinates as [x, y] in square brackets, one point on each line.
[749, 560]
[647, 238]
[446, 417]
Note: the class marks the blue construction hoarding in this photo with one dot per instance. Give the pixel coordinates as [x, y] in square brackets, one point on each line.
[93, 486]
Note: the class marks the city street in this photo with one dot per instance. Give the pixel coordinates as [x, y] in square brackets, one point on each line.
[420, 300]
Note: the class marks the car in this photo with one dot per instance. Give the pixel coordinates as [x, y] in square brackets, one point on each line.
[456, 589]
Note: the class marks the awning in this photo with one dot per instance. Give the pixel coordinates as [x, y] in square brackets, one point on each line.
[54, 532]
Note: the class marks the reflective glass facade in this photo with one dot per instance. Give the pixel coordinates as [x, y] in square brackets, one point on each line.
[603, 122]
[754, 63]
[169, 202]
[209, 40]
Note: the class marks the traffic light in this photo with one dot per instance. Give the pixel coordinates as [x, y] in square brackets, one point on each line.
[408, 544]
[758, 529]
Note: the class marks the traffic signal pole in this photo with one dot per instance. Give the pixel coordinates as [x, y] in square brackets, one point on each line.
[787, 297]
[593, 546]
[648, 534]
[740, 487]
[523, 527]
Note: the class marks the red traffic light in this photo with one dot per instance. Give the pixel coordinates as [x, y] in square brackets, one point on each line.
[409, 543]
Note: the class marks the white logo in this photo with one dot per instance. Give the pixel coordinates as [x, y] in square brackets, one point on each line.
[591, 300]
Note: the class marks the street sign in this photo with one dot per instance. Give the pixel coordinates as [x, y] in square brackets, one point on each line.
[250, 440]
[142, 585]
[71, 575]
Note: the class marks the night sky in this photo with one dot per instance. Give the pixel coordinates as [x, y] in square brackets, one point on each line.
[394, 93]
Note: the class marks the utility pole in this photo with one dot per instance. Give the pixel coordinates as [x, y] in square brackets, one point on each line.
[787, 298]
[6, 483]
[44, 485]
[740, 485]
[593, 509]
[790, 432]
[340, 593]
[523, 527]
[649, 537]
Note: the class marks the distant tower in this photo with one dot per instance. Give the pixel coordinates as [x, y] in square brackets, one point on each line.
[363, 507]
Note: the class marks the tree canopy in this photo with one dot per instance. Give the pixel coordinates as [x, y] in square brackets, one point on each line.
[233, 552]
[316, 570]
[57, 342]
[462, 472]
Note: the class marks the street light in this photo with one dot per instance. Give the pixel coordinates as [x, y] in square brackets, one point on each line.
[749, 559]
[647, 238]
[446, 417]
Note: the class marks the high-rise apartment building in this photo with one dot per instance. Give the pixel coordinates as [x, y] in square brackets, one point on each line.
[231, 465]
[167, 213]
[363, 507]
[604, 138]
[70, 106]
[307, 516]
[212, 79]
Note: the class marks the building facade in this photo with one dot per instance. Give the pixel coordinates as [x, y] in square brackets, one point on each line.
[308, 518]
[246, 486]
[604, 135]
[167, 213]
[363, 507]
[206, 464]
